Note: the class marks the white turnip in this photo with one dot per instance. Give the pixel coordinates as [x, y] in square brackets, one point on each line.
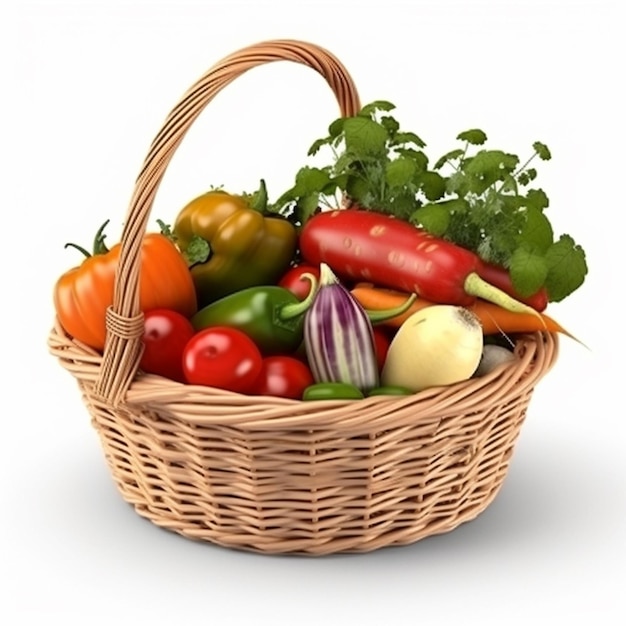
[439, 345]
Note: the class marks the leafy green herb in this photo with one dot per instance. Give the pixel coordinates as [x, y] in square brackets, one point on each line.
[478, 198]
[495, 213]
[374, 163]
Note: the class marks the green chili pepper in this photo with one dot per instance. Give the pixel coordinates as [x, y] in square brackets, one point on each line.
[271, 316]
[332, 391]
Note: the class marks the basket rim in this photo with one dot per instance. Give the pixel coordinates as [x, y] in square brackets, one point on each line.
[537, 354]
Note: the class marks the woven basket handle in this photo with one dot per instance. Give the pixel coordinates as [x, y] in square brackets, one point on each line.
[124, 321]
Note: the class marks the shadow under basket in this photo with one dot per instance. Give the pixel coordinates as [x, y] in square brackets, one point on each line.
[273, 475]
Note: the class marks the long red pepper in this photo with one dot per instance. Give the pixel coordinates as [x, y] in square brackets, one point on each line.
[370, 246]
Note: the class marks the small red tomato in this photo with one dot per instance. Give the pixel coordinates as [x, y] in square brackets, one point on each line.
[282, 376]
[293, 281]
[382, 340]
[165, 336]
[222, 357]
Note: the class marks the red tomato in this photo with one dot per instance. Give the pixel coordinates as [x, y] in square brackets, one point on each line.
[293, 281]
[222, 357]
[283, 376]
[165, 336]
[381, 344]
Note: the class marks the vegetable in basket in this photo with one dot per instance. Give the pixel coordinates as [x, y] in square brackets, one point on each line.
[480, 199]
[499, 277]
[339, 337]
[294, 281]
[222, 357]
[83, 294]
[439, 345]
[332, 391]
[166, 333]
[388, 251]
[270, 315]
[231, 244]
[282, 376]
[493, 318]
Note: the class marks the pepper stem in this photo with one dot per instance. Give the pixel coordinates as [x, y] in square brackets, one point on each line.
[381, 315]
[476, 286]
[289, 311]
[258, 200]
[99, 246]
[79, 248]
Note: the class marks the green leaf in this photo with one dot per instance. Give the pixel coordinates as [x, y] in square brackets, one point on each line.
[364, 136]
[537, 230]
[310, 179]
[491, 163]
[377, 105]
[475, 136]
[567, 268]
[307, 205]
[401, 205]
[542, 151]
[316, 145]
[528, 270]
[509, 184]
[358, 189]
[449, 156]
[418, 157]
[435, 218]
[336, 128]
[390, 125]
[458, 183]
[344, 163]
[408, 138]
[537, 199]
[399, 172]
[527, 176]
[434, 185]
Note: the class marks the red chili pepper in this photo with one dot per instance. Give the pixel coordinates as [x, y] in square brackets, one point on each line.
[370, 246]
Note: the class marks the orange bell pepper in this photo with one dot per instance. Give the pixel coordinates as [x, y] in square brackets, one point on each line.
[83, 294]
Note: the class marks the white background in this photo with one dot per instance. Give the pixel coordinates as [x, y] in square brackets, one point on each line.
[89, 84]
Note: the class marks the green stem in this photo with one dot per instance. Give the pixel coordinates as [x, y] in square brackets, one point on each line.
[99, 246]
[98, 243]
[79, 248]
[523, 167]
[476, 286]
[258, 201]
[377, 316]
[289, 311]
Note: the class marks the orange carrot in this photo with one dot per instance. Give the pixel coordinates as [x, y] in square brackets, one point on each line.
[494, 319]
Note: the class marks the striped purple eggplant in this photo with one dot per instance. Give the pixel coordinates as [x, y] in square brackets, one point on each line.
[338, 336]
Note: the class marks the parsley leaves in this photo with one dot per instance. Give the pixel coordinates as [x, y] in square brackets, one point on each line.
[478, 198]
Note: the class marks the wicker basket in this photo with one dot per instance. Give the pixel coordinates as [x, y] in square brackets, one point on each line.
[281, 476]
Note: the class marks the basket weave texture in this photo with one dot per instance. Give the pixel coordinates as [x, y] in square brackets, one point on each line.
[274, 475]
